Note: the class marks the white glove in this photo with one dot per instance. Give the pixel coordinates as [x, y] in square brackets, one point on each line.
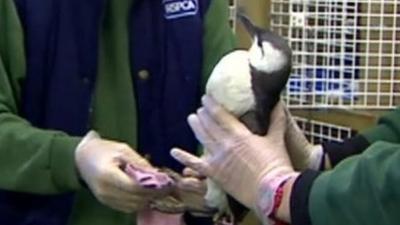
[303, 154]
[100, 164]
[247, 166]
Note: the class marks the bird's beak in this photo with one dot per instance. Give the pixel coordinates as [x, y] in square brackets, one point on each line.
[250, 27]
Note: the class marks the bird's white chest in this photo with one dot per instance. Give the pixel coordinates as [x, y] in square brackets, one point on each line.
[230, 83]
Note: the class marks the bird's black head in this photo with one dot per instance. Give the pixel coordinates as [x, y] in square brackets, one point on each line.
[269, 52]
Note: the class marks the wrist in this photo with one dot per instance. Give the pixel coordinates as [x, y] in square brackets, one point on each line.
[87, 138]
[316, 157]
[266, 204]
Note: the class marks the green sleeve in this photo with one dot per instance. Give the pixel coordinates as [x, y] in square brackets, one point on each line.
[363, 189]
[388, 128]
[31, 160]
[218, 37]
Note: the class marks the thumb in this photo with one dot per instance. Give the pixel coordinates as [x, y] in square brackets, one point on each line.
[278, 121]
[189, 160]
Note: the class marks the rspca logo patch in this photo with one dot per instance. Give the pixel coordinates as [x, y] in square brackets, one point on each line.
[180, 8]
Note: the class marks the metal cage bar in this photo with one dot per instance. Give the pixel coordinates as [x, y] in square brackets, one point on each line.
[318, 132]
[346, 53]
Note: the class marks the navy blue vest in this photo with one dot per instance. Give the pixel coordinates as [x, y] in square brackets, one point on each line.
[62, 46]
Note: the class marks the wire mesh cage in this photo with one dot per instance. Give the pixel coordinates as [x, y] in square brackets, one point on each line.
[346, 53]
[318, 132]
[232, 13]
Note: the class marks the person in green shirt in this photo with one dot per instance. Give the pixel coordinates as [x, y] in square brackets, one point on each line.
[281, 176]
[130, 69]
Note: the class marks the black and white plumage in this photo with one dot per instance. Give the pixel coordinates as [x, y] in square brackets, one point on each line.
[248, 83]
